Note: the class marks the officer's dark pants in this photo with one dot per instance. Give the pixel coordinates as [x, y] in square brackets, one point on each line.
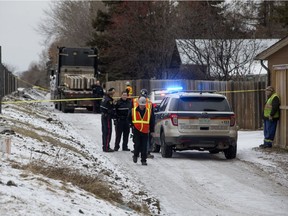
[96, 106]
[106, 131]
[122, 127]
[140, 144]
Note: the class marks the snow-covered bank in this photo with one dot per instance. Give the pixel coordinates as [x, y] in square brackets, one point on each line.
[40, 137]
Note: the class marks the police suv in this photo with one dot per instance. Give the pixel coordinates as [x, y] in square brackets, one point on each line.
[194, 120]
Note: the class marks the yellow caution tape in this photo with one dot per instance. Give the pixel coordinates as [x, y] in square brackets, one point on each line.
[55, 100]
[34, 86]
[92, 99]
[240, 91]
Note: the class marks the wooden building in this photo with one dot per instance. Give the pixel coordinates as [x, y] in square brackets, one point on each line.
[277, 57]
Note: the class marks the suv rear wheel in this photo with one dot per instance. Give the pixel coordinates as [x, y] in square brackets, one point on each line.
[166, 151]
[231, 152]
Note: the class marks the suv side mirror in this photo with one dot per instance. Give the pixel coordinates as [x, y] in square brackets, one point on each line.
[156, 108]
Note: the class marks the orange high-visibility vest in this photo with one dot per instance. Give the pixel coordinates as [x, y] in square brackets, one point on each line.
[141, 124]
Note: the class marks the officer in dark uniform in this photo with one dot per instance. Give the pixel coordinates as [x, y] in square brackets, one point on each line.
[122, 109]
[98, 93]
[107, 114]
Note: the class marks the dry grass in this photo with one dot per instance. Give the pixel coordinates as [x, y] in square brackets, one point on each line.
[45, 138]
[91, 184]
[24, 108]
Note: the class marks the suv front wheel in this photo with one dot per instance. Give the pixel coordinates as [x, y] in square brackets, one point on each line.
[166, 151]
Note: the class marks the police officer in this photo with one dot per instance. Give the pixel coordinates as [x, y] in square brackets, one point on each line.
[107, 114]
[142, 122]
[122, 109]
[98, 93]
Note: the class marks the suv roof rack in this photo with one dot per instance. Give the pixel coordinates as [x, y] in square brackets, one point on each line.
[158, 89]
[198, 91]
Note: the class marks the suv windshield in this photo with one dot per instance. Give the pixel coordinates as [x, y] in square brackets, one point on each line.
[199, 104]
[159, 96]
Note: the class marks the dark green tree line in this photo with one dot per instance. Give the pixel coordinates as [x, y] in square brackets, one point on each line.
[136, 39]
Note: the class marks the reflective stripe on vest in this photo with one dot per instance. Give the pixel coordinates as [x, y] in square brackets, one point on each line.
[268, 107]
[141, 124]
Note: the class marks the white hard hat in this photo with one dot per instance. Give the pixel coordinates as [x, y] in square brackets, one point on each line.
[127, 83]
[142, 101]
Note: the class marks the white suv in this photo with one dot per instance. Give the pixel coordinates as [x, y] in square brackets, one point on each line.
[195, 121]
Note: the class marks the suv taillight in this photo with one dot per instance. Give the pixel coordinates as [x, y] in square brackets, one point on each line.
[174, 119]
[232, 120]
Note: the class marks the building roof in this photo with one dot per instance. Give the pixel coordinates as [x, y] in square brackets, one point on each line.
[272, 49]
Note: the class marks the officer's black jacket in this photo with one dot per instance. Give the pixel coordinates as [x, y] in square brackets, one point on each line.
[107, 107]
[97, 91]
[122, 108]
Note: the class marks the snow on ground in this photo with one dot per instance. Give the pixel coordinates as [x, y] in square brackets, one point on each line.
[31, 194]
[44, 137]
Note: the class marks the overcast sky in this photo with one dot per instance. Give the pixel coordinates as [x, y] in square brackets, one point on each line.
[20, 42]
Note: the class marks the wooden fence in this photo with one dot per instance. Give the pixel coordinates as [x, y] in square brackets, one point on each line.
[280, 75]
[246, 98]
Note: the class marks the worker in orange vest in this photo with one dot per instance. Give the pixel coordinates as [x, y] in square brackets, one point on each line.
[129, 89]
[142, 120]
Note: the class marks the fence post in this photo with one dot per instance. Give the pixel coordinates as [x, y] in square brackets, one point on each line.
[1, 89]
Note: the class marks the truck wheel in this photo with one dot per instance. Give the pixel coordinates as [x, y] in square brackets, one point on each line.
[71, 110]
[63, 107]
[166, 151]
[90, 109]
[231, 152]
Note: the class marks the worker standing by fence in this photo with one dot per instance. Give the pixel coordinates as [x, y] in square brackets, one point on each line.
[271, 116]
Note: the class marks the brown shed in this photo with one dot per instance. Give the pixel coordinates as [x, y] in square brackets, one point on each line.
[277, 56]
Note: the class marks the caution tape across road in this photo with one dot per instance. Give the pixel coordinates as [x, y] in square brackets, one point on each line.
[91, 99]
[240, 91]
[54, 100]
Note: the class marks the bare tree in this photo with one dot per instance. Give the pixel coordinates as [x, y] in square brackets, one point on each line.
[69, 22]
[225, 58]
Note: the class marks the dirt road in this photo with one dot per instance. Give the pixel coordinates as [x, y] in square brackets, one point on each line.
[195, 183]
